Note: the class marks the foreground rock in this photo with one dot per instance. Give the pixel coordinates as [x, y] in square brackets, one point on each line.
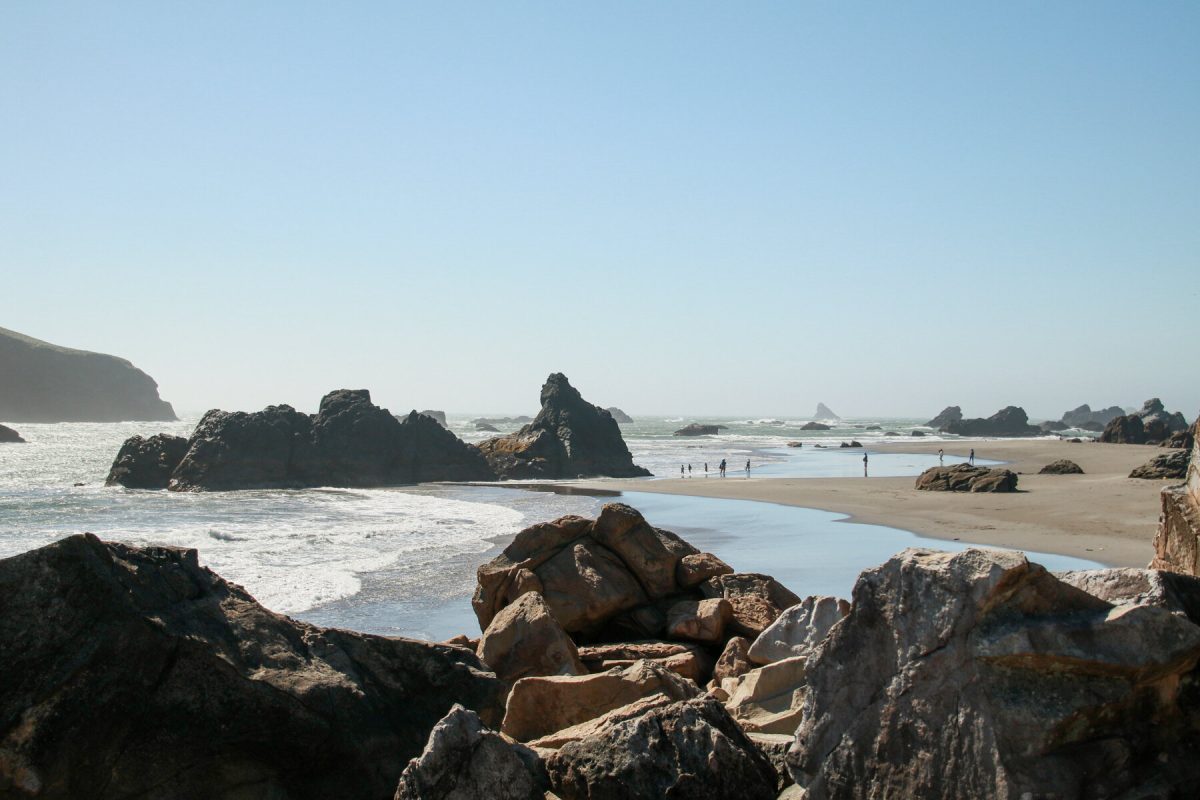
[688, 749]
[147, 463]
[1172, 466]
[1177, 542]
[44, 382]
[1008, 421]
[569, 438]
[1064, 466]
[524, 640]
[978, 674]
[696, 429]
[138, 671]
[9, 436]
[799, 629]
[966, 478]
[945, 417]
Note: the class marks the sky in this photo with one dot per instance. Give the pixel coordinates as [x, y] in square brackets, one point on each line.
[688, 208]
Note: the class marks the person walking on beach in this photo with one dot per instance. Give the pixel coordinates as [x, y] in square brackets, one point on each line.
[864, 463]
[721, 467]
[681, 470]
[706, 469]
[941, 454]
[747, 468]
[971, 458]
[689, 470]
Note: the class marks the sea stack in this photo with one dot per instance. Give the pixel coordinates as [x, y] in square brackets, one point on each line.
[1008, 421]
[825, 412]
[9, 436]
[945, 417]
[569, 438]
[44, 382]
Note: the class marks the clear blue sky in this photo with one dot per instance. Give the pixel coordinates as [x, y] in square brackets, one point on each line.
[687, 207]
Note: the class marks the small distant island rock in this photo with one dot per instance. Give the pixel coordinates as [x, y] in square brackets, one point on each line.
[9, 436]
[917, 433]
[439, 416]
[945, 417]
[1064, 466]
[620, 416]
[568, 438]
[486, 428]
[1008, 421]
[697, 429]
[815, 426]
[521, 420]
[44, 382]
[825, 412]
[967, 478]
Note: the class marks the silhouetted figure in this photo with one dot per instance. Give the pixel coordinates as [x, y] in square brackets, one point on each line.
[971, 458]
[722, 467]
[747, 468]
[681, 471]
[864, 463]
[941, 454]
[706, 469]
[689, 470]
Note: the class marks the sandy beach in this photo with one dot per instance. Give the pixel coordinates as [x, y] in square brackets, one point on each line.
[1102, 515]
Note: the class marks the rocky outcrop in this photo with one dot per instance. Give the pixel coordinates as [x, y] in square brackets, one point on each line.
[1177, 542]
[1184, 439]
[43, 382]
[1124, 430]
[1064, 466]
[815, 426]
[979, 674]
[620, 416]
[348, 442]
[1158, 422]
[688, 749]
[9, 436]
[824, 412]
[1008, 421]
[437, 416]
[569, 438]
[524, 639]
[696, 429]
[945, 417]
[135, 672]
[1084, 415]
[483, 427]
[851, 443]
[966, 478]
[686, 660]
[798, 630]
[147, 463]
[1172, 465]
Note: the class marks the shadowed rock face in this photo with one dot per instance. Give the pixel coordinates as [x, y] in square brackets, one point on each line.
[42, 382]
[147, 463]
[1177, 542]
[1008, 421]
[568, 438]
[1124, 430]
[134, 672]
[9, 436]
[1171, 465]
[945, 417]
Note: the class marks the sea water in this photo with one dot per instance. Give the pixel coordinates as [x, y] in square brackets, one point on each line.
[402, 561]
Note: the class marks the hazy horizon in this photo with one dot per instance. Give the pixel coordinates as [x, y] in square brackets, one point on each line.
[721, 209]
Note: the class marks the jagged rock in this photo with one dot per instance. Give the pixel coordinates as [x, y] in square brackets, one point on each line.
[486, 428]
[851, 443]
[438, 416]
[1159, 422]
[768, 699]
[967, 478]
[1123, 586]
[1008, 421]
[541, 706]
[1177, 541]
[1124, 430]
[135, 672]
[687, 750]
[463, 760]
[815, 426]
[775, 747]
[699, 620]
[620, 416]
[1181, 439]
[687, 660]
[798, 629]
[694, 569]
[696, 429]
[1084, 415]
[546, 745]
[524, 639]
[1172, 465]
[9, 436]
[734, 660]
[1064, 466]
[978, 674]
[44, 382]
[824, 412]
[945, 417]
[568, 438]
[147, 463]
[757, 600]
[650, 554]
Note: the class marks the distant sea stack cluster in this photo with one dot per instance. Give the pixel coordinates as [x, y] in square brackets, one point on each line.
[44, 382]
[351, 442]
[1153, 424]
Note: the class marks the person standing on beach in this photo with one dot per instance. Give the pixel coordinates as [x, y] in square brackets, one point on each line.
[706, 469]
[747, 468]
[971, 458]
[721, 467]
[681, 470]
[864, 463]
[941, 454]
[689, 470]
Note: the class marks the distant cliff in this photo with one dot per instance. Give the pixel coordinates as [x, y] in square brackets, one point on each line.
[42, 382]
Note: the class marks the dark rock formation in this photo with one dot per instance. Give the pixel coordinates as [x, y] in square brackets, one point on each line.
[568, 438]
[967, 478]
[9, 436]
[1091, 425]
[438, 416]
[1172, 465]
[134, 672]
[519, 420]
[851, 443]
[620, 416]
[978, 674]
[147, 463]
[917, 433]
[873, 428]
[824, 412]
[1052, 426]
[1124, 430]
[815, 426]
[1008, 421]
[696, 429]
[1177, 542]
[1184, 439]
[1158, 422]
[1064, 466]
[483, 426]
[47, 383]
[1084, 415]
[945, 417]
[348, 442]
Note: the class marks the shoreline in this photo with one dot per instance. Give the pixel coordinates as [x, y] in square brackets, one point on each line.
[1102, 515]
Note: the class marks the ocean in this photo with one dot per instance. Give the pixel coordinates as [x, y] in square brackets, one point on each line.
[402, 561]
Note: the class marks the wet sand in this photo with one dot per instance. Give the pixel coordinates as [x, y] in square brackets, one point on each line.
[1101, 515]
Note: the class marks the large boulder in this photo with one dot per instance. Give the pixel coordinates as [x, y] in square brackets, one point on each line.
[1064, 466]
[699, 620]
[979, 674]
[756, 600]
[147, 463]
[967, 478]
[815, 426]
[463, 760]
[524, 639]
[945, 417]
[799, 629]
[44, 382]
[698, 429]
[569, 438]
[139, 671]
[1008, 421]
[1126, 429]
[768, 699]
[688, 750]
[1172, 465]
[9, 436]
[1177, 542]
